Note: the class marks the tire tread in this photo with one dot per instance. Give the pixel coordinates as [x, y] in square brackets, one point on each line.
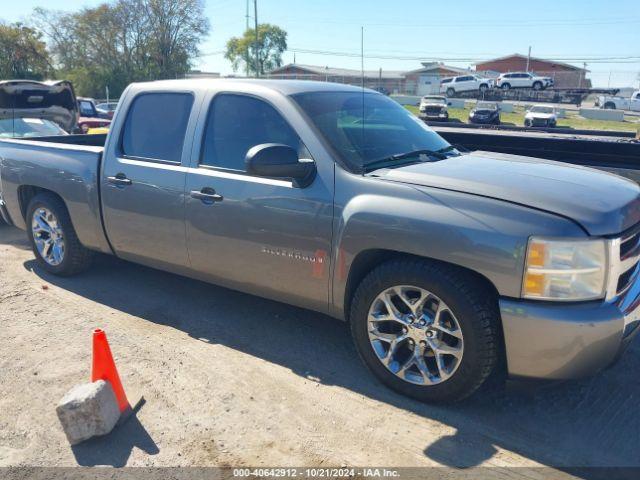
[481, 299]
[79, 258]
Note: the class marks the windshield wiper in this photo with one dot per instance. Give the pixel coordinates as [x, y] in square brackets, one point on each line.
[392, 160]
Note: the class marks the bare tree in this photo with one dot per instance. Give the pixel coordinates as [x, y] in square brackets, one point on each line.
[124, 41]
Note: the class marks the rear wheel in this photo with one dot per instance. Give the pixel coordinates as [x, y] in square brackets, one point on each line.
[426, 330]
[53, 238]
[610, 106]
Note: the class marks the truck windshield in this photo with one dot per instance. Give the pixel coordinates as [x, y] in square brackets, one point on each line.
[364, 127]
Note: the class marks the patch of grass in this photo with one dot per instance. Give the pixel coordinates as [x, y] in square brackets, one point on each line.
[573, 120]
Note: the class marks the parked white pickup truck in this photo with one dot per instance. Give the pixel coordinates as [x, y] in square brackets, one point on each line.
[620, 103]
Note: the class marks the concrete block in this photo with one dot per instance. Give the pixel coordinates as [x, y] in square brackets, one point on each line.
[88, 410]
[602, 114]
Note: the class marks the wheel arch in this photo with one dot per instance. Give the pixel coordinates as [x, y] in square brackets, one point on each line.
[26, 193]
[367, 260]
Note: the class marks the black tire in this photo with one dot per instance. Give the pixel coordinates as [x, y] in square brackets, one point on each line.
[610, 106]
[527, 123]
[483, 88]
[505, 86]
[76, 257]
[450, 92]
[537, 86]
[471, 301]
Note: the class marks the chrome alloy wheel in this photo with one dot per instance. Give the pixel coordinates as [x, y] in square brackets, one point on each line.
[415, 335]
[48, 236]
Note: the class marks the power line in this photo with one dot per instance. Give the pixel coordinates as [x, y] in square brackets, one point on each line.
[463, 24]
[451, 57]
[380, 56]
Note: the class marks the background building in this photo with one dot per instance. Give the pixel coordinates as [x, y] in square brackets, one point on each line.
[426, 80]
[383, 80]
[564, 74]
[422, 81]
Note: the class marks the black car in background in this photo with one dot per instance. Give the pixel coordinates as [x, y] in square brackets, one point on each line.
[487, 113]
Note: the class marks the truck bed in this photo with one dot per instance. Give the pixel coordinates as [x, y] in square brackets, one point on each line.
[65, 165]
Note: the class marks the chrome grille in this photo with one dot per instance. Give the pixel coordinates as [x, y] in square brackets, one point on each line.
[624, 255]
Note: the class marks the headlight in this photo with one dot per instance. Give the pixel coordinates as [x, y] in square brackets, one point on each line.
[569, 270]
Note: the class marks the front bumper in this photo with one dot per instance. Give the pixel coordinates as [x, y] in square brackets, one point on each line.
[482, 120]
[438, 116]
[555, 341]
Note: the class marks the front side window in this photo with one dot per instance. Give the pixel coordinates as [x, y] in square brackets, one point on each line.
[364, 128]
[235, 124]
[156, 125]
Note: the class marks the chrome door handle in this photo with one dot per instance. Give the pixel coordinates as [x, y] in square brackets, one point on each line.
[120, 179]
[206, 195]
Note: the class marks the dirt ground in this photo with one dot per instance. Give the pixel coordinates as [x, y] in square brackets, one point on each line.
[231, 379]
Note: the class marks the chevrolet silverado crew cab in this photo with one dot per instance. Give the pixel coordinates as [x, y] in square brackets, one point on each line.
[449, 266]
[620, 103]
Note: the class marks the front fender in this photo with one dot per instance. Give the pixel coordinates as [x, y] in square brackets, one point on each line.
[481, 234]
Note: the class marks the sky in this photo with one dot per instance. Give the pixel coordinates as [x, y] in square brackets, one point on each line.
[603, 33]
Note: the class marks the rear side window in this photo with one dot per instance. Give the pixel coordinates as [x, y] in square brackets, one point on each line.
[156, 126]
[447, 80]
[237, 123]
[86, 108]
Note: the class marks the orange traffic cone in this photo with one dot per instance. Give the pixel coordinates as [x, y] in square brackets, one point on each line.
[104, 368]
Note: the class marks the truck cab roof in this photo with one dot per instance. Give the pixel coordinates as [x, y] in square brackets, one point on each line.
[284, 87]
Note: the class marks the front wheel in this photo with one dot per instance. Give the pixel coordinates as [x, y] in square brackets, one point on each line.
[537, 86]
[426, 330]
[505, 86]
[53, 238]
[450, 92]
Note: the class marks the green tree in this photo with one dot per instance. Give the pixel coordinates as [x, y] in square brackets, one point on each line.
[124, 41]
[260, 56]
[23, 53]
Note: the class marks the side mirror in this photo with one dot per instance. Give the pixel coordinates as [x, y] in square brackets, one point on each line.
[280, 161]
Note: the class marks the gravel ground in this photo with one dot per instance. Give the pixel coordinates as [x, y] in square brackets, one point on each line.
[231, 379]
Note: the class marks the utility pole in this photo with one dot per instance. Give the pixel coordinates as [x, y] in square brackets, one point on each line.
[528, 59]
[255, 22]
[584, 74]
[246, 58]
[362, 54]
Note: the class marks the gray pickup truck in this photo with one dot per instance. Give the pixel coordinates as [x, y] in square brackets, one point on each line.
[449, 266]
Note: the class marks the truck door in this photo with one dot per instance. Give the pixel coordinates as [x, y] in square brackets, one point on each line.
[261, 235]
[143, 179]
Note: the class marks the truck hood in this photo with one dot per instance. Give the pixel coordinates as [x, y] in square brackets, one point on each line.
[602, 203]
